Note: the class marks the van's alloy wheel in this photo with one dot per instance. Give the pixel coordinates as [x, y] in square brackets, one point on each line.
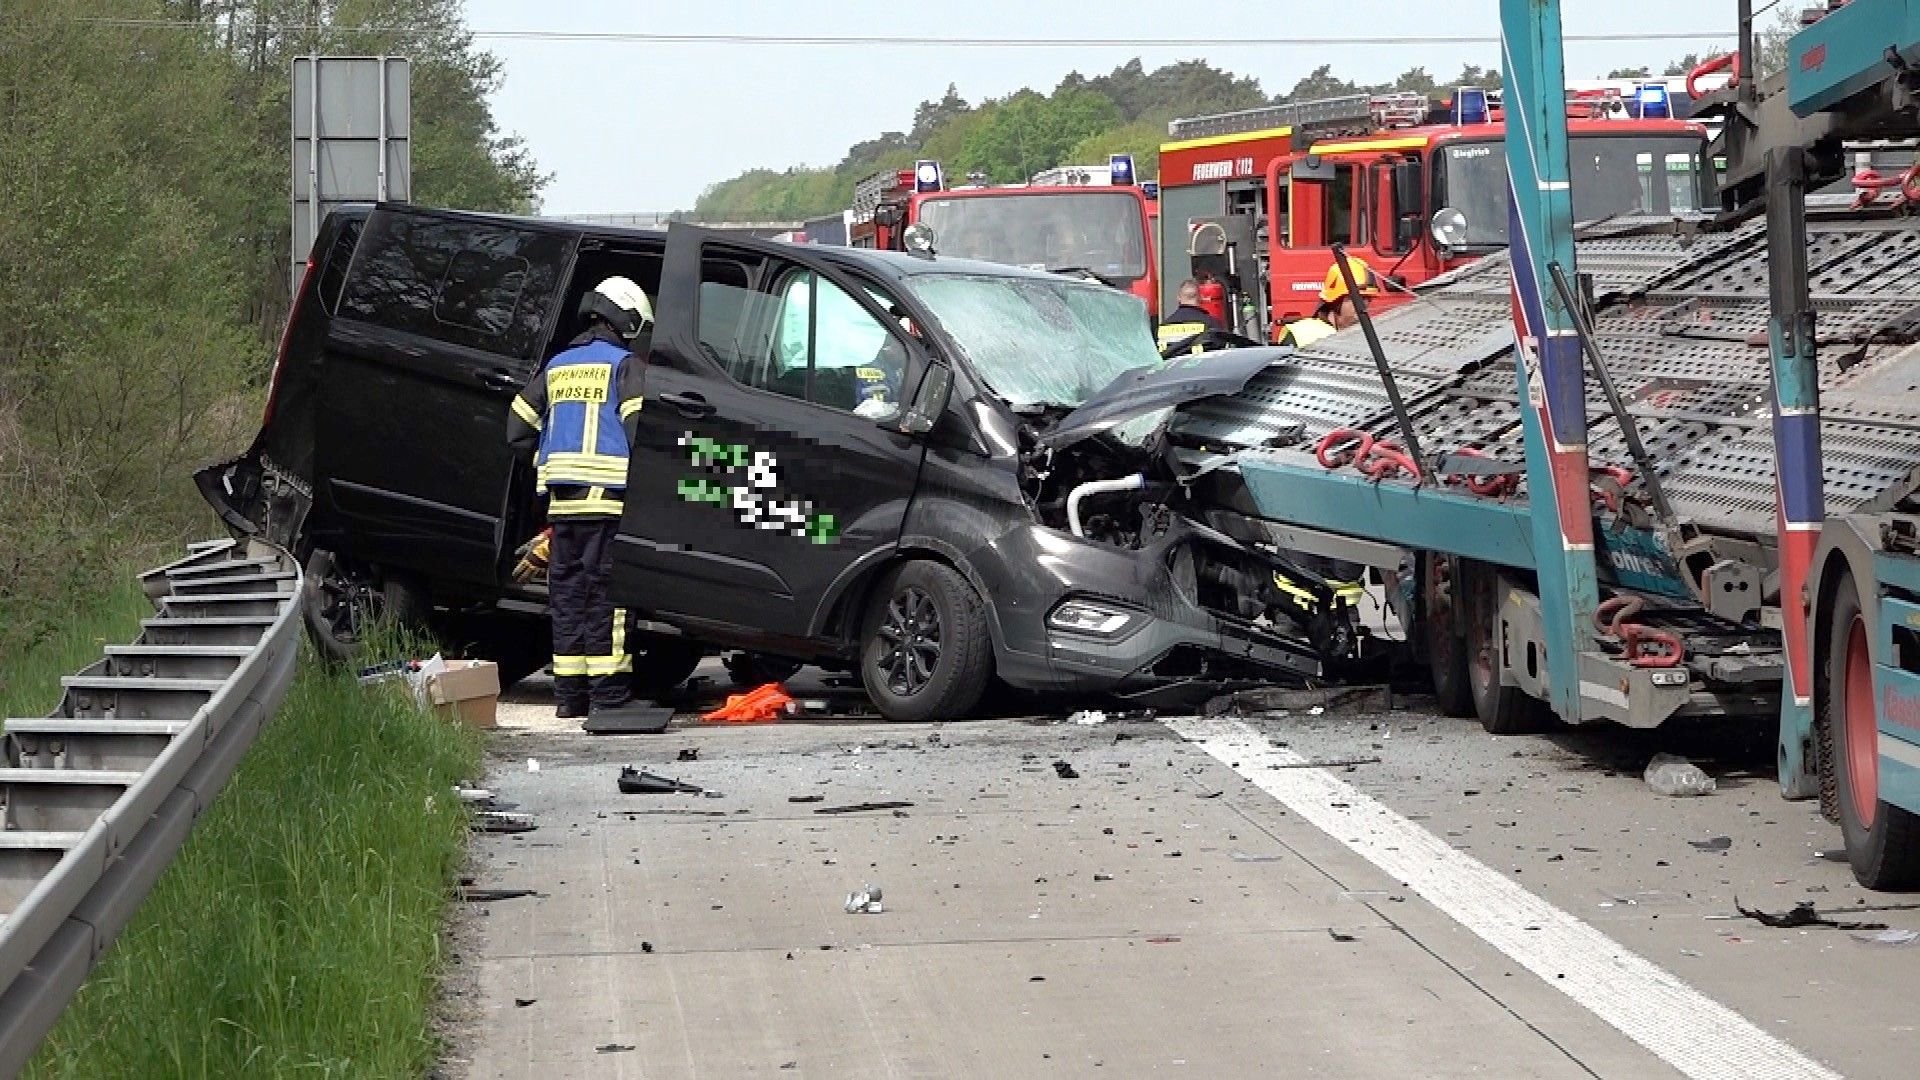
[925, 653]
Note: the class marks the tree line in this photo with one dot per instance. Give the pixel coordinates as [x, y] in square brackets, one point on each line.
[1008, 139]
[144, 224]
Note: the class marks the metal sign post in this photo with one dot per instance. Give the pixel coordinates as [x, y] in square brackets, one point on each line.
[352, 123]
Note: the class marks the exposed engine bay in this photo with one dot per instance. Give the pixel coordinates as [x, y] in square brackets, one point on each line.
[1116, 480]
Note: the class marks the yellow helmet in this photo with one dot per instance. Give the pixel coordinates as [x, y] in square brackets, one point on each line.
[1335, 288]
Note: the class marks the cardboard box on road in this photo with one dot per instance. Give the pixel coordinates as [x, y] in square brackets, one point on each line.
[468, 689]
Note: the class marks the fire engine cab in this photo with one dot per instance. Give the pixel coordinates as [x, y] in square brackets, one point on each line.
[1076, 219]
[1254, 200]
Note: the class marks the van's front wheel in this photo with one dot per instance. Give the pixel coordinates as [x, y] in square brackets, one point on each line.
[925, 653]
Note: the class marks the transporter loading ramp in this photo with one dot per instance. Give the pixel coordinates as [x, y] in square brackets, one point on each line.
[1681, 321]
[1682, 325]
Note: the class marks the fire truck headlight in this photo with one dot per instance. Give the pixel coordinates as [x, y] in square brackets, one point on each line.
[918, 238]
[1449, 227]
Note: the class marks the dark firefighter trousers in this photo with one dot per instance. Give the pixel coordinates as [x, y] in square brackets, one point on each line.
[590, 660]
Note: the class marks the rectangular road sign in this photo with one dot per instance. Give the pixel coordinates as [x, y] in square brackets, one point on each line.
[351, 129]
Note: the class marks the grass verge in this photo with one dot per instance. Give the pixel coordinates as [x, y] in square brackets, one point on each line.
[30, 681]
[299, 930]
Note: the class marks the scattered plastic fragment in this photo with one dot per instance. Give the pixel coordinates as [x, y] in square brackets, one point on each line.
[612, 1048]
[1678, 777]
[1717, 843]
[635, 782]
[1803, 914]
[1065, 770]
[865, 902]
[1888, 937]
[855, 808]
[533, 765]
[1088, 718]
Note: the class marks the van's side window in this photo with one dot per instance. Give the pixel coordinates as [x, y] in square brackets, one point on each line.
[481, 291]
[333, 268]
[462, 282]
[800, 336]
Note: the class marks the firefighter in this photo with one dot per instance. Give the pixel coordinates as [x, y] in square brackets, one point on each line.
[577, 417]
[1336, 310]
[1187, 321]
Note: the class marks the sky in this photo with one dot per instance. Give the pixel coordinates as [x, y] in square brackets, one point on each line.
[638, 126]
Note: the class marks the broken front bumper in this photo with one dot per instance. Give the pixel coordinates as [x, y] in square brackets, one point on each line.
[1075, 616]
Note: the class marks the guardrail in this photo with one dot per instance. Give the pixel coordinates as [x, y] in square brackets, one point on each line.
[96, 798]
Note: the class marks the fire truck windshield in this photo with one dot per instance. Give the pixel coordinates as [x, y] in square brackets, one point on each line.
[1099, 231]
[1612, 175]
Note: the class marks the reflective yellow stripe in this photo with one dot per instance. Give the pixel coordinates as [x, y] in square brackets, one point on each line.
[1293, 590]
[629, 407]
[1406, 142]
[578, 507]
[616, 662]
[589, 435]
[564, 666]
[1180, 331]
[1226, 140]
[527, 412]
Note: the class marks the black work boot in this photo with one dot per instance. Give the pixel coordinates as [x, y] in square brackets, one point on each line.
[571, 709]
[572, 695]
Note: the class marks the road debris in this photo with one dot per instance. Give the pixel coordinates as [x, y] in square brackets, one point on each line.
[1243, 856]
[635, 782]
[1088, 718]
[806, 798]
[533, 765]
[689, 753]
[1338, 936]
[1677, 777]
[855, 808]
[865, 902]
[1327, 763]
[1803, 914]
[612, 1048]
[473, 895]
[1888, 938]
[521, 1003]
[500, 821]
[1717, 843]
[1065, 770]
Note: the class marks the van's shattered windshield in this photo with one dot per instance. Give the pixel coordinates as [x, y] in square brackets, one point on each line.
[1040, 342]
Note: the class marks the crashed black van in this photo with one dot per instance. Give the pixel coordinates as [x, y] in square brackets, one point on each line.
[1014, 510]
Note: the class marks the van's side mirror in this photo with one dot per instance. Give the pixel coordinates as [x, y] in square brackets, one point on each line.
[929, 401]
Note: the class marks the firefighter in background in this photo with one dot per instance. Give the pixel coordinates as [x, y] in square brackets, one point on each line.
[1186, 322]
[1336, 307]
[577, 416]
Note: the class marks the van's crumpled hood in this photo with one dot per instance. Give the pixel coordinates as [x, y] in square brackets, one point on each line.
[1180, 380]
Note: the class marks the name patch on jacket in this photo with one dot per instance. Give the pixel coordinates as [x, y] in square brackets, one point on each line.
[580, 382]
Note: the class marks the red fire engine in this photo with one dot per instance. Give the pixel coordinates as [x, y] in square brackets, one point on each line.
[1105, 230]
[1254, 200]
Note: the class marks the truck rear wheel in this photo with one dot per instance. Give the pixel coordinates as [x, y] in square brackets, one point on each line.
[925, 653]
[1883, 841]
[1502, 709]
[1447, 652]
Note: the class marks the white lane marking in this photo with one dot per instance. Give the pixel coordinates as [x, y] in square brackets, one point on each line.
[1686, 1029]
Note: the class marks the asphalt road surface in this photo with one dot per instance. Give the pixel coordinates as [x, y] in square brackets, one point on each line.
[1353, 892]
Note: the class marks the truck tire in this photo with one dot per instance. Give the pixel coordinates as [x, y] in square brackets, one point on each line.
[1503, 710]
[345, 600]
[1447, 652]
[1883, 841]
[925, 653]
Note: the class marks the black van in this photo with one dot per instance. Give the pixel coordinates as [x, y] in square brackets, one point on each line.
[1011, 510]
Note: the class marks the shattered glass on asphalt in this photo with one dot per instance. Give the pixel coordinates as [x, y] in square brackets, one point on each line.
[1039, 342]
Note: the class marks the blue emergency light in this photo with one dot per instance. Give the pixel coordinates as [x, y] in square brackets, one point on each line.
[1654, 102]
[1120, 169]
[1150, 189]
[926, 176]
[1470, 106]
